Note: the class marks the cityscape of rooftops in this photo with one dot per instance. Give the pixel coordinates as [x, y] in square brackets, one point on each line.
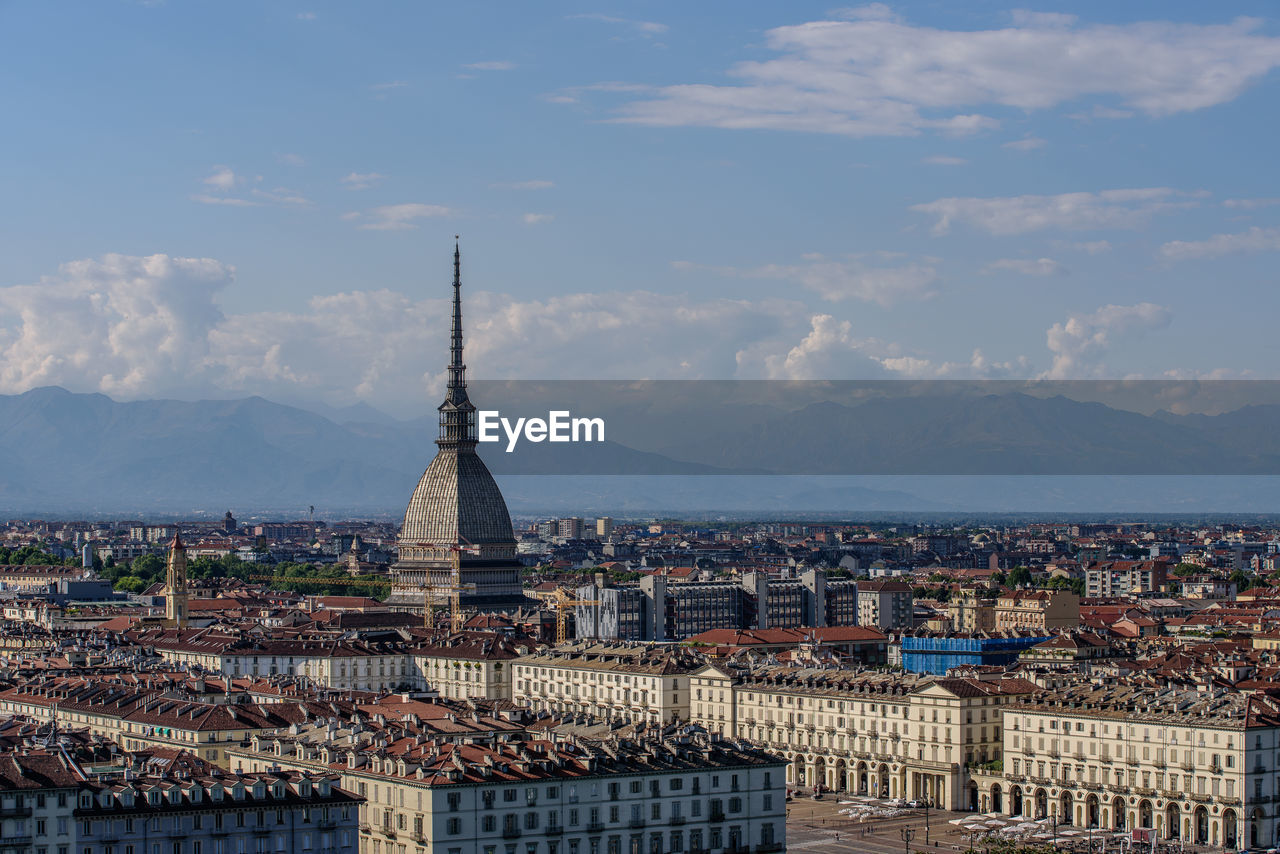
[655, 428]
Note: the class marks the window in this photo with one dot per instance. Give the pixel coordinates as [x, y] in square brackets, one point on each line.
[454, 826]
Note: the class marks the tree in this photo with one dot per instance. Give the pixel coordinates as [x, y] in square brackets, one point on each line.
[1019, 576]
[131, 584]
[1182, 570]
[1242, 580]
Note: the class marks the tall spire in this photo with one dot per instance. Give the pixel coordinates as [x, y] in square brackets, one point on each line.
[457, 415]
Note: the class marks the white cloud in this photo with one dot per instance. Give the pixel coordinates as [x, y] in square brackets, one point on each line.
[1027, 266]
[1027, 143]
[232, 201]
[149, 327]
[535, 218]
[830, 350]
[944, 160]
[361, 180]
[876, 75]
[836, 281]
[281, 196]
[524, 185]
[1079, 343]
[120, 325]
[223, 179]
[493, 65]
[399, 217]
[1254, 240]
[1249, 204]
[647, 29]
[1021, 214]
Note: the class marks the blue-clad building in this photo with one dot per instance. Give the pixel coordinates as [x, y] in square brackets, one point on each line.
[936, 653]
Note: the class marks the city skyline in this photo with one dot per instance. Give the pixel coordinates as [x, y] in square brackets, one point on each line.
[645, 192]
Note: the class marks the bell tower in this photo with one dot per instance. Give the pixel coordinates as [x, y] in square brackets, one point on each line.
[175, 582]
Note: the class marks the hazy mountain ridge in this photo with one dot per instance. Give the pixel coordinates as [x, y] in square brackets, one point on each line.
[59, 449]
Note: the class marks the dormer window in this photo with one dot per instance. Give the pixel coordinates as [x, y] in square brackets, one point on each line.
[153, 798]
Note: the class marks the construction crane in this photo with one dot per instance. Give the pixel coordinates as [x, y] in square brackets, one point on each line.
[562, 602]
[455, 588]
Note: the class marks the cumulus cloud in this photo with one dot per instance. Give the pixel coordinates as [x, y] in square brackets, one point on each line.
[1022, 214]
[944, 160]
[829, 350]
[1254, 240]
[838, 280]
[1027, 266]
[1079, 343]
[119, 324]
[535, 218]
[493, 65]
[147, 327]
[872, 74]
[361, 180]
[397, 217]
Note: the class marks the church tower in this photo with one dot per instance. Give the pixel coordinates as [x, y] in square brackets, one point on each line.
[457, 517]
[175, 583]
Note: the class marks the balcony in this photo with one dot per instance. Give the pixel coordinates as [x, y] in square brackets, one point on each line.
[767, 848]
[387, 831]
[15, 841]
[676, 820]
[15, 812]
[510, 833]
[553, 830]
[595, 827]
[636, 823]
[716, 815]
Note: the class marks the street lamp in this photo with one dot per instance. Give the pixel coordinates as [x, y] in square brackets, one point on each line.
[927, 804]
[907, 835]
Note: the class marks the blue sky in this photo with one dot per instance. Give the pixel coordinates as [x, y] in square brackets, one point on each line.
[214, 199]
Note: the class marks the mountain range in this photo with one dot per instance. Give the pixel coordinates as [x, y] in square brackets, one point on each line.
[63, 452]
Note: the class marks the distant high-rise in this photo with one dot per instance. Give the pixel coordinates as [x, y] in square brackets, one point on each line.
[457, 513]
[604, 527]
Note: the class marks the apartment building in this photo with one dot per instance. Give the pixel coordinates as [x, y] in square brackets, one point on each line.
[461, 666]
[275, 811]
[1125, 578]
[347, 665]
[631, 682]
[142, 719]
[1196, 764]
[1037, 610]
[885, 605]
[660, 608]
[695, 792]
[878, 733]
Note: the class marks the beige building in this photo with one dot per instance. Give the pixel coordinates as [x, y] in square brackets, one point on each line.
[554, 796]
[139, 720]
[1037, 610]
[631, 682]
[972, 610]
[878, 733]
[462, 667]
[1192, 764]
